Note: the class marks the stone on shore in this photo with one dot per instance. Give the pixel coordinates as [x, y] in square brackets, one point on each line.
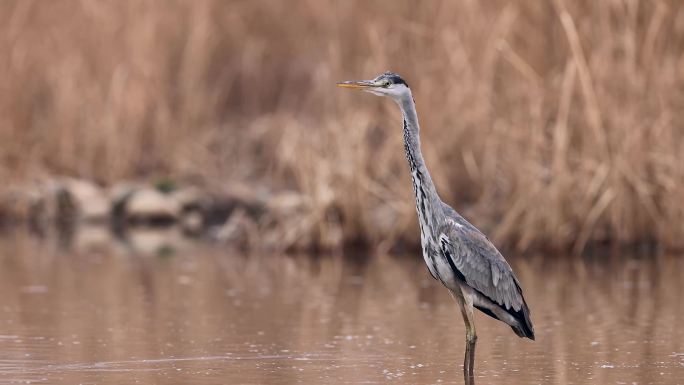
[89, 201]
[191, 199]
[150, 206]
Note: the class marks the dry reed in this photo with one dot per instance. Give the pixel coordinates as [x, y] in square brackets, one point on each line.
[547, 123]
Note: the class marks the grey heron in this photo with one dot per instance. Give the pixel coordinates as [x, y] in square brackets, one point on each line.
[456, 253]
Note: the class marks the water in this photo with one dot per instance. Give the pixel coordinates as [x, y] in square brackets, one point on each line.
[149, 312]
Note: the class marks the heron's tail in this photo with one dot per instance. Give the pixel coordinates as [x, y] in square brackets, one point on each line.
[524, 327]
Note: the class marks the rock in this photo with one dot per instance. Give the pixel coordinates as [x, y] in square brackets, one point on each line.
[192, 222]
[121, 192]
[239, 230]
[191, 199]
[151, 207]
[224, 202]
[194, 204]
[89, 200]
[119, 195]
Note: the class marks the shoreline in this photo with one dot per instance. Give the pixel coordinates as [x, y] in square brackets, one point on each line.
[238, 216]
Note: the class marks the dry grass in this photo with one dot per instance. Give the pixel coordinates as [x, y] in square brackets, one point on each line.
[548, 123]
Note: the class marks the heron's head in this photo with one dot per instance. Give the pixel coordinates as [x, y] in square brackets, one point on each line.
[387, 84]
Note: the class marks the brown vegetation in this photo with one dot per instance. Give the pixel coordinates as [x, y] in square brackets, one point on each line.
[547, 123]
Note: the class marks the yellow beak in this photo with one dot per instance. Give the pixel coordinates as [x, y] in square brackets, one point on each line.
[357, 84]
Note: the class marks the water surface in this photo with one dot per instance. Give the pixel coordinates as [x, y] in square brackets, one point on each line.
[148, 312]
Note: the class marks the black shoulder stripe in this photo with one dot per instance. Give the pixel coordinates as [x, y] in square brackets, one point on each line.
[443, 242]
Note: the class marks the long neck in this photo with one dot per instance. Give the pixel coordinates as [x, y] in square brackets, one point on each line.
[427, 199]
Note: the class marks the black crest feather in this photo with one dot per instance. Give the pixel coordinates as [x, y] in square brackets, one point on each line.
[392, 77]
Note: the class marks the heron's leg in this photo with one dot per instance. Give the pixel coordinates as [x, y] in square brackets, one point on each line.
[466, 304]
[471, 337]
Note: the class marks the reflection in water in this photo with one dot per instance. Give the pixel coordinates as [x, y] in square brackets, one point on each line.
[111, 313]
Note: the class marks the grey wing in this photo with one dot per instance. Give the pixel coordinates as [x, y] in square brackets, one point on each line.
[480, 263]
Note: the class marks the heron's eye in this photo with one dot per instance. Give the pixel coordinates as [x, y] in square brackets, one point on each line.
[386, 83]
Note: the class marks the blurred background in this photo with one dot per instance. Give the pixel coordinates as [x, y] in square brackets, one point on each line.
[548, 124]
[211, 208]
